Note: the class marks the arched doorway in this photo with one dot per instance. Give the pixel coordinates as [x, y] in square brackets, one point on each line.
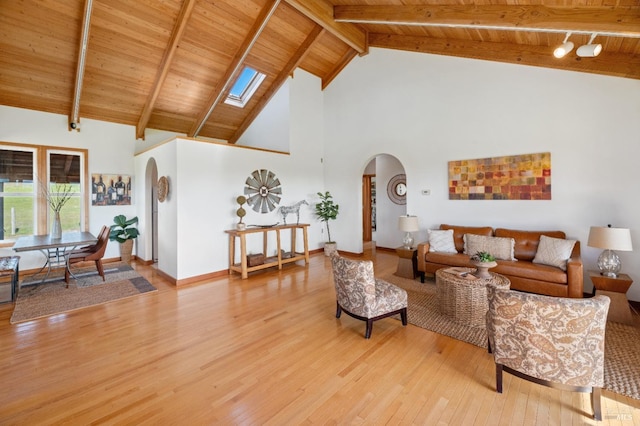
[381, 209]
[151, 211]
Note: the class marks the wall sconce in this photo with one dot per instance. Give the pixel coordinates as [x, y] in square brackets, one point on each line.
[564, 48]
[609, 239]
[408, 224]
[589, 50]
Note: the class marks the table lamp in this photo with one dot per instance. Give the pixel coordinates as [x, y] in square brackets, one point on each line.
[408, 224]
[609, 239]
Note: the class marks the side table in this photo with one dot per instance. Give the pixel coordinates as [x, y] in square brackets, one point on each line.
[616, 289]
[407, 262]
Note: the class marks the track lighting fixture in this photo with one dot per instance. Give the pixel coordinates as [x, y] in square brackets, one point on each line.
[589, 50]
[564, 48]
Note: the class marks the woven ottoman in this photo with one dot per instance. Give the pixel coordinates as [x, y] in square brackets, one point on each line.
[462, 297]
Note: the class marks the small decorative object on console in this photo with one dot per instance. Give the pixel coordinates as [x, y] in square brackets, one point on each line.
[241, 212]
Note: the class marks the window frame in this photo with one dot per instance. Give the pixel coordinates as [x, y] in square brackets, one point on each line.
[249, 89]
[41, 172]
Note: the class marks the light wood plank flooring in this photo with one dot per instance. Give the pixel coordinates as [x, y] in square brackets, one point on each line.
[267, 350]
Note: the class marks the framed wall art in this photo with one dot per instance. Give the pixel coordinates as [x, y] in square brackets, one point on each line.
[514, 177]
[110, 190]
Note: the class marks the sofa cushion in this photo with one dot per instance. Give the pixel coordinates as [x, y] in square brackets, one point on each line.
[554, 252]
[500, 248]
[441, 241]
[526, 245]
[529, 270]
[449, 259]
[459, 231]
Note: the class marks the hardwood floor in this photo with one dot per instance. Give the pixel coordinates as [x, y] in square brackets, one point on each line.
[267, 350]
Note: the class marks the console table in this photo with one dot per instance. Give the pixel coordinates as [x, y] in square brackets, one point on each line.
[280, 259]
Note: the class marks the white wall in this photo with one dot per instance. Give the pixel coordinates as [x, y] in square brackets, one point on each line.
[270, 129]
[110, 148]
[427, 110]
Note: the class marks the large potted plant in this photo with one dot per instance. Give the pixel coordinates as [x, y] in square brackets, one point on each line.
[327, 210]
[124, 232]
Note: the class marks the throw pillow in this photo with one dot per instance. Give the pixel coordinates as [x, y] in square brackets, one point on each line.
[499, 247]
[441, 241]
[554, 252]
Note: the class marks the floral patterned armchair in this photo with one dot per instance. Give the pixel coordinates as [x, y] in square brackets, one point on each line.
[553, 341]
[364, 297]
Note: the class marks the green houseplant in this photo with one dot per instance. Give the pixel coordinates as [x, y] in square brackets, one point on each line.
[124, 233]
[327, 210]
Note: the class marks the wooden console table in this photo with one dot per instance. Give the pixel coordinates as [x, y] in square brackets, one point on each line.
[280, 259]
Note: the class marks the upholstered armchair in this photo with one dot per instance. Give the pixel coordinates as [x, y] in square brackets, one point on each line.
[364, 297]
[553, 341]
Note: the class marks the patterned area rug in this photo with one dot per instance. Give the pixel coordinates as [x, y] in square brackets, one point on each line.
[37, 300]
[622, 342]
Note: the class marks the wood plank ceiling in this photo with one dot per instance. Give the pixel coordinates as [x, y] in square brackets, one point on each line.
[169, 64]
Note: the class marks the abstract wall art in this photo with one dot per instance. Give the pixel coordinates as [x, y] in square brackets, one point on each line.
[514, 177]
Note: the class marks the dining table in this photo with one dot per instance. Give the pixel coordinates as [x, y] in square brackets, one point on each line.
[54, 249]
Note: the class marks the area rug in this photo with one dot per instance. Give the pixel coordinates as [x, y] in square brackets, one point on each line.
[622, 342]
[37, 300]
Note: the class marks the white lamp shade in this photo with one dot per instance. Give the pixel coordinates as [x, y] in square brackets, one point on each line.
[610, 238]
[408, 223]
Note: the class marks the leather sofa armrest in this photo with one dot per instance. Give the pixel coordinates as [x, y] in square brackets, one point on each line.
[423, 249]
[575, 276]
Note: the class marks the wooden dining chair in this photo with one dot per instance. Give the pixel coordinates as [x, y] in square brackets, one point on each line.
[90, 253]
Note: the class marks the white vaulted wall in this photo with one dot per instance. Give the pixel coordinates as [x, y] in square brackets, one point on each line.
[426, 110]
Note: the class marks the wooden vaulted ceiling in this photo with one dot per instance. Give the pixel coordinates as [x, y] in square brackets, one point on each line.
[169, 64]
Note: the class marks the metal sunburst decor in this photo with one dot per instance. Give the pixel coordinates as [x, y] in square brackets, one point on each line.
[262, 190]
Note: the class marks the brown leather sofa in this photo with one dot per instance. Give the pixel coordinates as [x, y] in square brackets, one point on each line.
[523, 273]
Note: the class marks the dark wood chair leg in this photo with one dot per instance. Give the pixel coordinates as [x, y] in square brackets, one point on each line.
[422, 277]
[367, 333]
[403, 316]
[499, 378]
[489, 346]
[100, 268]
[596, 393]
[338, 310]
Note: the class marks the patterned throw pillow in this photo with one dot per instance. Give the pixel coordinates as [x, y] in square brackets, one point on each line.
[499, 247]
[554, 252]
[441, 241]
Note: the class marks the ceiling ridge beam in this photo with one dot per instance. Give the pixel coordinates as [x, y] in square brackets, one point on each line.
[259, 25]
[321, 12]
[165, 65]
[614, 64]
[607, 21]
[282, 76]
[74, 116]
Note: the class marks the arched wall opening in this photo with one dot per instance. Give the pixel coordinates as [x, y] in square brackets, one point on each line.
[151, 211]
[383, 202]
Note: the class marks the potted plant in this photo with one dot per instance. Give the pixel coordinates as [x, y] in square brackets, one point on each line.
[327, 210]
[124, 232]
[483, 261]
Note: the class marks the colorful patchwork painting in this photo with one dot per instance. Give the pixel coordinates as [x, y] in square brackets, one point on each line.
[515, 177]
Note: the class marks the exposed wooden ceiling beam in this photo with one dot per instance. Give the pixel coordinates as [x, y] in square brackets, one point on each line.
[165, 65]
[344, 61]
[607, 63]
[602, 20]
[74, 115]
[293, 63]
[321, 12]
[259, 25]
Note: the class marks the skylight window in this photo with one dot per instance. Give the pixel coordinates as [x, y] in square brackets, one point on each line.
[245, 86]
